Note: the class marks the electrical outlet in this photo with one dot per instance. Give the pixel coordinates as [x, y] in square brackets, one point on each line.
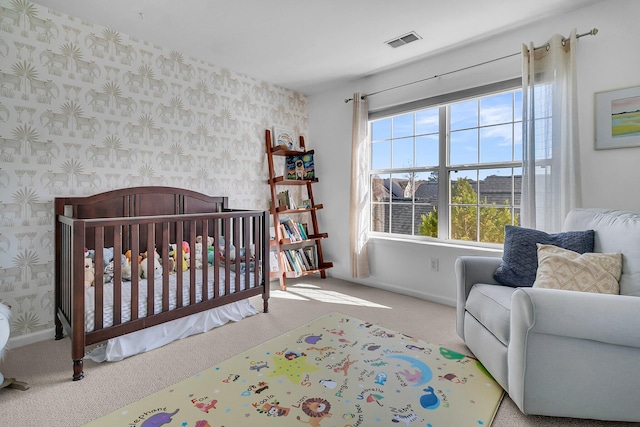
[434, 264]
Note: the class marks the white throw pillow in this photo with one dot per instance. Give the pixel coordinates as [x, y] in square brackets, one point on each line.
[589, 272]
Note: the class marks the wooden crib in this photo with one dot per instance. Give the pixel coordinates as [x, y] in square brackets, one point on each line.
[226, 252]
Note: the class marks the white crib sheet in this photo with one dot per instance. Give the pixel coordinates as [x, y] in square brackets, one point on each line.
[89, 299]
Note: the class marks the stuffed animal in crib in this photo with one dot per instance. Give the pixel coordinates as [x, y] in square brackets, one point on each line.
[157, 266]
[89, 273]
[199, 239]
[198, 252]
[125, 270]
[173, 252]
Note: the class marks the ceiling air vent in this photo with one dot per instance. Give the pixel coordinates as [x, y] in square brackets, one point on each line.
[402, 40]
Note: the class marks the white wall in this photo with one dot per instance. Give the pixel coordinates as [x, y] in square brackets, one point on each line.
[606, 61]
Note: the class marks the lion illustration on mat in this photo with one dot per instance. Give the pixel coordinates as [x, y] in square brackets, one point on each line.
[317, 409]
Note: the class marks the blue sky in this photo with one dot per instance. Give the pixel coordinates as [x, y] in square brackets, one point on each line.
[481, 131]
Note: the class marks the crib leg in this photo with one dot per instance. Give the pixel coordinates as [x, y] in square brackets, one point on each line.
[59, 330]
[265, 306]
[78, 372]
[59, 333]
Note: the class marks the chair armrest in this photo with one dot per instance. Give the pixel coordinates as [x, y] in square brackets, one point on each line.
[469, 271]
[610, 319]
[567, 348]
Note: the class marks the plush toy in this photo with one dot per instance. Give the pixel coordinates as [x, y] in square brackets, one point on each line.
[89, 273]
[173, 252]
[186, 251]
[209, 240]
[128, 256]
[198, 252]
[125, 270]
[157, 266]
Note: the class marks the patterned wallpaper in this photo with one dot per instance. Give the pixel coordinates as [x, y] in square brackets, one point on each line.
[85, 109]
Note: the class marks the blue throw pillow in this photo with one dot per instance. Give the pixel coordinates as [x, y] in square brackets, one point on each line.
[520, 255]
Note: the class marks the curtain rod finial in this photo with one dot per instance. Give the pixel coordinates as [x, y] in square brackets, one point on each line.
[594, 31]
[346, 100]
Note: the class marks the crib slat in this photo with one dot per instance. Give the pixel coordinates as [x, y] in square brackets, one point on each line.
[150, 276]
[246, 237]
[165, 266]
[192, 271]
[257, 254]
[98, 286]
[117, 275]
[204, 273]
[227, 255]
[216, 258]
[135, 271]
[205, 269]
[178, 265]
[237, 238]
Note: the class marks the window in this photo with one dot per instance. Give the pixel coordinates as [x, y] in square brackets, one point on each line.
[450, 169]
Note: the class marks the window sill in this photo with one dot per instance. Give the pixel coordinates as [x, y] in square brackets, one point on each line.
[476, 246]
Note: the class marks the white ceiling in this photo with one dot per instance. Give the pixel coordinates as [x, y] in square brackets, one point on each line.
[308, 45]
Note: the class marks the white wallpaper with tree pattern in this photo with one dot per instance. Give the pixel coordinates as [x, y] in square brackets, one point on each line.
[85, 109]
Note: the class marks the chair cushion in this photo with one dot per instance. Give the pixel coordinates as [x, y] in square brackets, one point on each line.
[491, 306]
[520, 259]
[590, 272]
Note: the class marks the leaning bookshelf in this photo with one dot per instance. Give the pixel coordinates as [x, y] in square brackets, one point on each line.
[296, 245]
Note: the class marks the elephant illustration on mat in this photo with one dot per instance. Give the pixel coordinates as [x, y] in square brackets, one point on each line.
[157, 420]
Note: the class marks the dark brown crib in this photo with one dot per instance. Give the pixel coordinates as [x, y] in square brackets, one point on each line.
[234, 267]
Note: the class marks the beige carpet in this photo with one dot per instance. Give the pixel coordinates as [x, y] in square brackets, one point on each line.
[54, 400]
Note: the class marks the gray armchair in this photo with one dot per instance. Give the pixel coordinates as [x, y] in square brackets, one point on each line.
[557, 352]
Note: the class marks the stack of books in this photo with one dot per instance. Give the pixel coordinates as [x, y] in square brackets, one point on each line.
[294, 231]
[301, 259]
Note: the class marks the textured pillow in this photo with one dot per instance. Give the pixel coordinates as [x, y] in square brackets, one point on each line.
[590, 272]
[520, 259]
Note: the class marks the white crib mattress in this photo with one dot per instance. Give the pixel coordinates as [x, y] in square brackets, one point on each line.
[89, 296]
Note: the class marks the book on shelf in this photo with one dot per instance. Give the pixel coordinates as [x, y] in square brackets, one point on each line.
[300, 167]
[285, 261]
[291, 229]
[295, 231]
[285, 199]
[301, 259]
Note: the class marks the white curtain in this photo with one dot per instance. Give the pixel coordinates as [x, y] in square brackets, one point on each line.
[551, 156]
[359, 206]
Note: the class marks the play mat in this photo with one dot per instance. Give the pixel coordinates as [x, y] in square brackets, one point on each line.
[334, 371]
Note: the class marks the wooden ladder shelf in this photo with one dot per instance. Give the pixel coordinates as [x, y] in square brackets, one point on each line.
[298, 254]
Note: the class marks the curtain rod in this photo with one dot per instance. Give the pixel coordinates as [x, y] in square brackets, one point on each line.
[593, 32]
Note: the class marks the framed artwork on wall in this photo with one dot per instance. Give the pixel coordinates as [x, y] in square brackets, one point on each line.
[617, 118]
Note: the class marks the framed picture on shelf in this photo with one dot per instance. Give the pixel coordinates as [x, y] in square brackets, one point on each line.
[284, 137]
[300, 167]
[618, 118]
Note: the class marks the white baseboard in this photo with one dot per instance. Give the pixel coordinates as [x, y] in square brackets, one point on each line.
[34, 337]
[403, 291]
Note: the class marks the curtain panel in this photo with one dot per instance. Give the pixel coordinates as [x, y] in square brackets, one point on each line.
[551, 156]
[359, 216]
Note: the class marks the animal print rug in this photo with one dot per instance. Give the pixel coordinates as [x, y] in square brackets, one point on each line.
[334, 371]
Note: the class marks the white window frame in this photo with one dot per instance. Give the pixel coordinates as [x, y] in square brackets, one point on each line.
[444, 169]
